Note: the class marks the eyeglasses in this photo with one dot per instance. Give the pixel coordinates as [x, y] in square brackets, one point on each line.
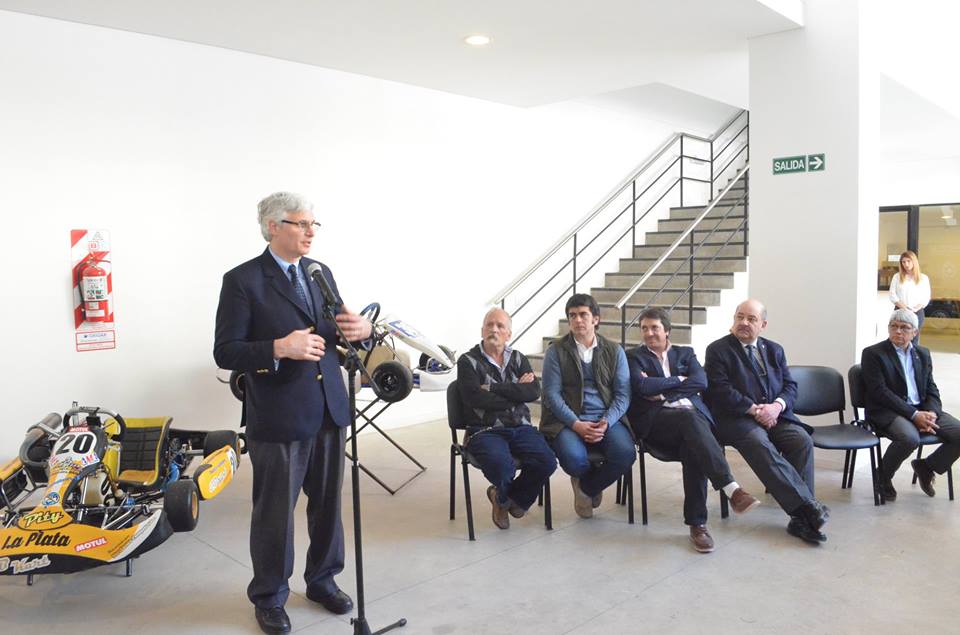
[900, 328]
[304, 225]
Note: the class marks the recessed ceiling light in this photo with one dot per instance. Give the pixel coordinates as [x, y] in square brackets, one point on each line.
[477, 40]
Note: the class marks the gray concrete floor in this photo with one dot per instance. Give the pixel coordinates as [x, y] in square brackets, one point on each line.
[883, 570]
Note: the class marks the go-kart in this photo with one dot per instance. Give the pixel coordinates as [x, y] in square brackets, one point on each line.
[92, 488]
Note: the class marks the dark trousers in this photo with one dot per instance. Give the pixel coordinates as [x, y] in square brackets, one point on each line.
[280, 471]
[616, 446]
[495, 450]
[904, 439]
[782, 457]
[686, 433]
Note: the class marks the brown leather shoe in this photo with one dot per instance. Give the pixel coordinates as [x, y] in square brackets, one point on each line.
[741, 502]
[500, 517]
[516, 511]
[582, 504]
[701, 538]
[925, 476]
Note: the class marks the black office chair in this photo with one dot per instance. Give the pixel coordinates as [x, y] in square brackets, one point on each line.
[857, 400]
[820, 391]
[458, 448]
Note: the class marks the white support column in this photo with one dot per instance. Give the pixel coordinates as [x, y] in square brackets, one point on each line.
[813, 235]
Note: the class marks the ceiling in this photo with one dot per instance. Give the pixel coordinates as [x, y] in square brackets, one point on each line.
[543, 51]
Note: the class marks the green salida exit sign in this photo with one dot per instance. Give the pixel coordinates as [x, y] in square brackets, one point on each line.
[800, 163]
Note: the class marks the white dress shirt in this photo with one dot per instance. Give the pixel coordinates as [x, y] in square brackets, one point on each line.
[909, 292]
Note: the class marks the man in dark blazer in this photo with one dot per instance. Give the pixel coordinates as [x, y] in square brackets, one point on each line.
[751, 395]
[667, 413]
[270, 325]
[903, 401]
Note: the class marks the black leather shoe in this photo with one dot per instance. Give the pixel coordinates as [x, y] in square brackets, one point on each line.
[888, 491]
[925, 476]
[337, 602]
[814, 513]
[800, 528]
[273, 619]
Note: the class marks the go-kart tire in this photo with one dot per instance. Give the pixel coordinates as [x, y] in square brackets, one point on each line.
[236, 384]
[216, 439]
[393, 381]
[181, 502]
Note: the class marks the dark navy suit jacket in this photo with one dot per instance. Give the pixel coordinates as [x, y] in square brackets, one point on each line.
[258, 304]
[886, 384]
[734, 384]
[683, 361]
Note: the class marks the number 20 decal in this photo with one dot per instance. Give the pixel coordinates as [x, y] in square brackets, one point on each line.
[75, 443]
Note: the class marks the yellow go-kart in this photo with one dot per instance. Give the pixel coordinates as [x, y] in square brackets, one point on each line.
[92, 488]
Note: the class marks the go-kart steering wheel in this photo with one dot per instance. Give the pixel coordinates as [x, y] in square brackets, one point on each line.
[94, 411]
[371, 312]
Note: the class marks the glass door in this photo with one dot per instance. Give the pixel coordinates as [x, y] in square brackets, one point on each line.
[939, 252]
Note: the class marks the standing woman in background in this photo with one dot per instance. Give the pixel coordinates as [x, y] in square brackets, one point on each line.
[910, 289]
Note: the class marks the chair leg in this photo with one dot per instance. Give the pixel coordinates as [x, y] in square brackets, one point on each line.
[724, 505]
[547, 509]
[853, 467]
[453, 483]
[846, 469]
[619, 497]
[883, 501]
[873, 477]
[919, 456]
[950, 481]
[643, 490]
[466, 496]
[629, 494]
[540, 498]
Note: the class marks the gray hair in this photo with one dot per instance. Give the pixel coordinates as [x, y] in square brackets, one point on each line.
[906, 316]
[276, 206]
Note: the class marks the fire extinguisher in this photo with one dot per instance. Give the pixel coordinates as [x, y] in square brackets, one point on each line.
[93, 285]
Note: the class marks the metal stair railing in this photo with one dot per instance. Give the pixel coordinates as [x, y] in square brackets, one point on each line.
[690, 260]
[670, 178]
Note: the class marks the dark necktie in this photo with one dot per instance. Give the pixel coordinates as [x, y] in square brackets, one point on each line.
[292, 270]
[756, 360]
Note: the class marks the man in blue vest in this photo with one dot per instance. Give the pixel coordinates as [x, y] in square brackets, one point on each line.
[586, 392]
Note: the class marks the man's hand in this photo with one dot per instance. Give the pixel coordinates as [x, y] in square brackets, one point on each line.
[303, 344]
[590, 431]
[354, 327]
[526, 378]
[926, 421]
[767, 414]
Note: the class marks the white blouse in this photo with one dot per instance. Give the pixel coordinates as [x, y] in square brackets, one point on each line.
[909, 292]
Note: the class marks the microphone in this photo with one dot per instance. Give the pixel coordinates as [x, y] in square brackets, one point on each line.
[330, 298]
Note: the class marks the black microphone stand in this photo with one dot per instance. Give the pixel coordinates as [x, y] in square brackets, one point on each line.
[352, 364]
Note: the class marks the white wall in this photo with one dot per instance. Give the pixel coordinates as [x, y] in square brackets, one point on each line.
[429, 202]
[814, 235]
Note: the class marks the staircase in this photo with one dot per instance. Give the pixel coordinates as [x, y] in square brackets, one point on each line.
[681, 262]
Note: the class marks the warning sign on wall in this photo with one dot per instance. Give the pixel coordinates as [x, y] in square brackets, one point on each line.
[92, 289]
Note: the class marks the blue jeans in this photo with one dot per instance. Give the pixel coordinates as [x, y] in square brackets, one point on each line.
[495, 450]
[616, 446]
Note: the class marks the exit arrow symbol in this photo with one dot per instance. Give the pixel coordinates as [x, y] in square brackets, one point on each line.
[814, 163]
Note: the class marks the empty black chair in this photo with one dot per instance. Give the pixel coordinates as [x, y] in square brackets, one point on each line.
[458, 448]
[820, 391]
[858, 400]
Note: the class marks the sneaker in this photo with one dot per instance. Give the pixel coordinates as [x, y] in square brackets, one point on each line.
[582, 504]
[701, 538]
[742, 502]
[500, 517]
[925, 476]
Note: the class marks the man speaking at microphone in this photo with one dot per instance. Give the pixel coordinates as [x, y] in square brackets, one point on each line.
[270, 326]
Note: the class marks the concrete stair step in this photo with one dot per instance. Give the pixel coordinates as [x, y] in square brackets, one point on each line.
[724, 264]
[718, 237]
[679, 315]
[712, 248]
[657, 280]
[680, 224]
[701, 297]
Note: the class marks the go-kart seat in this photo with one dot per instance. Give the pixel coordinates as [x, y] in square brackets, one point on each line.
[141, 452]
